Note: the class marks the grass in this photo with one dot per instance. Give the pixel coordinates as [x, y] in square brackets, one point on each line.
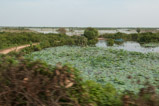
[125, 70]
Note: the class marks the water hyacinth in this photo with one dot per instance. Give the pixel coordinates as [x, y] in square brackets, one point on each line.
[125, 70]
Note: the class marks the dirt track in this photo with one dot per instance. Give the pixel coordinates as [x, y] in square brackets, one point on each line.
[101, 38]
[6, 51]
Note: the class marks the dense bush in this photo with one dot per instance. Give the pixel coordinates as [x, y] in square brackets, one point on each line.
[54, 41]
[110, 42]
[14, 39]
[134, 37]
[45, 44]
[45, 40]
[148, 37]
[140, 37]
[30, 49]
[80, 40]
[23, 82]
[92, 42]
[118, 35]
[33, 83]
[92, 35]
[103, 95]
[146, 97]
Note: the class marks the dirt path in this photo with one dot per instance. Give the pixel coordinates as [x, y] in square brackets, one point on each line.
[6, 51]
[101, 38]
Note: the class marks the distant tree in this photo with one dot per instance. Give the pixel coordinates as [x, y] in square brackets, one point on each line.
[91, 33]
[138, 30]
[62, 30]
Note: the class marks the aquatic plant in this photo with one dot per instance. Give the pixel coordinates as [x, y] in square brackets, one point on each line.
[125, 70]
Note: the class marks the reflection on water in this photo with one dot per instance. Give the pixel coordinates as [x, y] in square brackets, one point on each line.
[129, 46]
[101, 43]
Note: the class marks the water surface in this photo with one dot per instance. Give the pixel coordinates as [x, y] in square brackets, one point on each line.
[129, 46]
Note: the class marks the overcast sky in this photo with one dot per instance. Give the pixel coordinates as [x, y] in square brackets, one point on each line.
[80, 13]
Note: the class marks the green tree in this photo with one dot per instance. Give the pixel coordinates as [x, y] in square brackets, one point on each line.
[91, 33]
[138, 30]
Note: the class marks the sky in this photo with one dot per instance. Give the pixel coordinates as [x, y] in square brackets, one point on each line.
[79, 13]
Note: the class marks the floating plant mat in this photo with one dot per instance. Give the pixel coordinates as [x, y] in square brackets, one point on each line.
[151, 45]
[125, 70]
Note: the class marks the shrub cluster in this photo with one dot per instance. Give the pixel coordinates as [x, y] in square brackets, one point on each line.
[45, 40]
[118, 35]
[13, 39]
[110, 42]
[56, 41]
[92, 35]
[146, 97]
[33, 83]
[140, 37]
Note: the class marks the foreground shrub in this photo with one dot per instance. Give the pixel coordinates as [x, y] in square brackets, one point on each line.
[146, 97]
[103, 95]
[36, 84]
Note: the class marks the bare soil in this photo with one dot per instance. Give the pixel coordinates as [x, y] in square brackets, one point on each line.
[18, 48]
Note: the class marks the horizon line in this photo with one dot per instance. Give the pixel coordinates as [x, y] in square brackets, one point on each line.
[73, 27]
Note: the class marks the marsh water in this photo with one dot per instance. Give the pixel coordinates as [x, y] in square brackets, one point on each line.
[129, 46]
[80, 32]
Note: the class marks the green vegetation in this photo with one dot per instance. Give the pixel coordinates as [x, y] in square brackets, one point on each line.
[34, 83]
[117, 36]
[105, 65]
[151, 45]
[15, 29]
[46, 40]
[141, 37]
[14, 39]
[96, 76]
[138, 30]
[110, 42]
[92, 35]
[148, 37]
